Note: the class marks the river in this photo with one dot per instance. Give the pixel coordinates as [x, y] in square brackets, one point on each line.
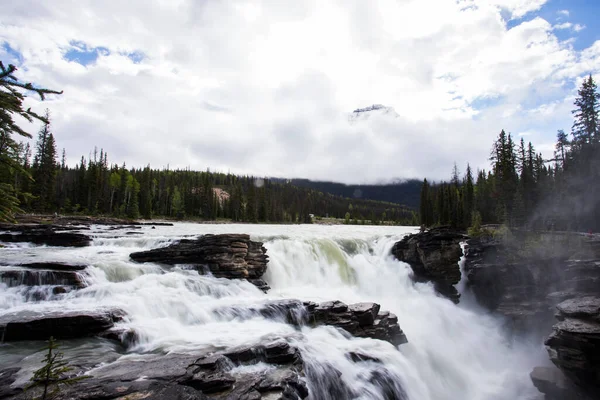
[453, 352]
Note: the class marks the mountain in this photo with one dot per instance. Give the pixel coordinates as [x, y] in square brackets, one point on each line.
[375, 109]
[405, 192]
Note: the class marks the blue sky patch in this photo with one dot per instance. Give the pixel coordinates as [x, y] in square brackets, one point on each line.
[12, 55]
[82, 54]
[579, 13]
[136, 56]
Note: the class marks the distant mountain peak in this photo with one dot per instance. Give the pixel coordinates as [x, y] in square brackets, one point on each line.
[366, 112]
[370, 108]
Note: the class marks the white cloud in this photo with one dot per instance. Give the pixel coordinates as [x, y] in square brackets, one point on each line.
[518, 8]
[266, 87]
[568, 25]
[564, 25]
[563, 13]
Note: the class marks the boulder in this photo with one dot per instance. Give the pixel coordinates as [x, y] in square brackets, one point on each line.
[555, 385]
[47, 236]
[40, 325]
[16, 277]
[232, 256]
[53, 266]
[360, 319]
[433, 256]
[213, 374]
[574, 346]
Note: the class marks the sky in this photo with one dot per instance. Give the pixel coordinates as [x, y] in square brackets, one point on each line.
[268, 87]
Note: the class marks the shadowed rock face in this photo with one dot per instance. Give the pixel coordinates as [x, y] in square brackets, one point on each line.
[221, 375]
[49, 238]
[30, 325]
[232, 256]
[555, 385]
[525, 287]
[15, 277]
[574, 346]
[433, 256]
[360, 319]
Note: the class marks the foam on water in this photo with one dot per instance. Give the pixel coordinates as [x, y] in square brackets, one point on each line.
[453, 351]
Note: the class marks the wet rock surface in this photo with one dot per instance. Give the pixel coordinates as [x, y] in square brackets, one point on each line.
[526, 288]
[360, 319]
[232, 256]
[574, 346]
[555, 385]
[15, 277]
[32, 325]
[53, 266]
[218, 375]
[271, 370]
[433, 256]
[48, 237]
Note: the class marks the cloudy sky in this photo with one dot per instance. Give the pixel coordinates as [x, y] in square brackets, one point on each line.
[268, 87]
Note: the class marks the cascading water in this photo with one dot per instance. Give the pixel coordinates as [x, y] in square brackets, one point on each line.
[453, 352]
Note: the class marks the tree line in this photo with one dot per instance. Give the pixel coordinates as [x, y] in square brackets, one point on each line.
[522, 189]
[96, 187]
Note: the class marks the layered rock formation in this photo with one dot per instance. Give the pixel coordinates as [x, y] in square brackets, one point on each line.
[47, 236]
[555, 385]
[574, 346]
[271, 369]
[524, 281]
[433, 256]
[30, 325]
[232, 256]
[524, 277]
[360, 319]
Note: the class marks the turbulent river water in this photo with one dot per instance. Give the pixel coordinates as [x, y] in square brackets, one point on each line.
[453, 352]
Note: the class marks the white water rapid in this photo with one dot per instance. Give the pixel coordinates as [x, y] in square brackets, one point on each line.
[453, 352]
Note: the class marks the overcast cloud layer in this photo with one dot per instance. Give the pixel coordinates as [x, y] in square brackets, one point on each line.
[267, 87]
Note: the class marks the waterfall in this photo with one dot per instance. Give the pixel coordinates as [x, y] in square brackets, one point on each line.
[454, 352]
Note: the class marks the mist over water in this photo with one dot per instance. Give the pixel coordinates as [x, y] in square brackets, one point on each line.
[454, 352]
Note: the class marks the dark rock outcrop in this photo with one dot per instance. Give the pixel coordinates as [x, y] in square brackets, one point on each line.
[360, 319]
[15, 277]
[555, 385]
[31, 325]
[50, 235]
[52, 266]
[524, 286]
[574, 346]
[207, 376]
[433, 256]
[232, 256]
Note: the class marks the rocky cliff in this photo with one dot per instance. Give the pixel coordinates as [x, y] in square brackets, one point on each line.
[574, 345]
[525, 278]
[232, 256]
[433, 256]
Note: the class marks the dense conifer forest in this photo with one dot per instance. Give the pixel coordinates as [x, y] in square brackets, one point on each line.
[522, 189]
[97, 187]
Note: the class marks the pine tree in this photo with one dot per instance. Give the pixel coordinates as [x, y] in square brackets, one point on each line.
[468, 197]
[53, 374]
[45, 167]
[426, 206]
[585, 127]
[11, 104]
[562, 148]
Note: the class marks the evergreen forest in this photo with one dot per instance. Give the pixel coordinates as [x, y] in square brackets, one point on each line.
[524, 190]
